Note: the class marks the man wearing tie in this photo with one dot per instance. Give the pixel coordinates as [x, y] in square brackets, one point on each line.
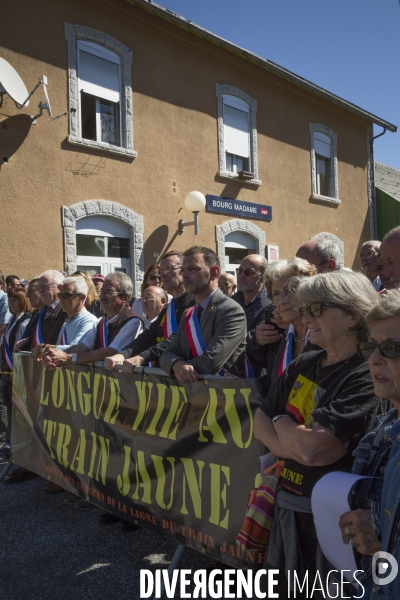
[211, 335]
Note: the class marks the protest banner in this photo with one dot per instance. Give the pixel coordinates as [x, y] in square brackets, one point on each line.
[179, 458]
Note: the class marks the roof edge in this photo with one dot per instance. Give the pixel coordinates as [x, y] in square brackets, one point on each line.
[263, 62]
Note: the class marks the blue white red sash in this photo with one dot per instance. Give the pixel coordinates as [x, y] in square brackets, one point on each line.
[287, 353]
[38, 337]
[63, 337]
[103, 333]
[193, 332]
[170, 325]
[7, 354]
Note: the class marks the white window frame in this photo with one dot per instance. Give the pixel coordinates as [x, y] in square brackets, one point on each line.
[105, 43]
[231, 90]
[333, 165]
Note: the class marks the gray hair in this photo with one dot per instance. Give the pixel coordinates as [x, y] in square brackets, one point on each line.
[123, 281]
[292, 266]
[351, 291]
[388, 306]
[56, 276]
[80, 285]
[327, 249]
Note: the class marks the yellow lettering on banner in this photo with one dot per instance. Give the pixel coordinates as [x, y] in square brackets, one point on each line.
[79, 455]
[71, 389]
[161, 387]
[49, 429]
[160, 472]
[174, 412]
[114, 401]
[210, 416]
[233, 417]
[98, 378]
[84, 397]
[123, 481]
[103, 458]
[143, 401]
[44, 399]
[218, 494]
[194, 485]
[63, 439]
[58, 388]
[142, 474]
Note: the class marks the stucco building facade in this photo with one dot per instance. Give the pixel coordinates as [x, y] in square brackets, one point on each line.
[157, 108]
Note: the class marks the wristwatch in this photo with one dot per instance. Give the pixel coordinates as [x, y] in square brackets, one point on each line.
[74, 359]
[275, 419]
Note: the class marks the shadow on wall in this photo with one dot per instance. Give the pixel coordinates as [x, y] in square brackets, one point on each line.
[155, 245]
[13, 132]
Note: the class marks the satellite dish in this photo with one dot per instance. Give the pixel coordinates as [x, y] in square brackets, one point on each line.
[12, 83]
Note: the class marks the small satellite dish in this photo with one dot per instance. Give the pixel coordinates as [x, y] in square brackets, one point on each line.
[12, 83]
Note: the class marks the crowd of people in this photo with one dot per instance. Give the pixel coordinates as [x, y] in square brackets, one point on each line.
[322, 339]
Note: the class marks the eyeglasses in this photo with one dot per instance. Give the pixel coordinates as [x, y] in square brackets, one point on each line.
[368, 254]
[109, 293]
[386, 349]
[248, 272]
[66, 295]
[45, 288]
[170, 268]
[224, 283]
[315, 309]
[286, 291]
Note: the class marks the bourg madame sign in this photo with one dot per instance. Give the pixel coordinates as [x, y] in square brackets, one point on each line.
[178, 458]
[239, 208]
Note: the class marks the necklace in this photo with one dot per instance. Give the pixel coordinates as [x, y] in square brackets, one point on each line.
[332, 372]
[299, 340]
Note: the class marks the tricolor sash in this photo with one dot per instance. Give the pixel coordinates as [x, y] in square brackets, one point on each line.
[7, 354]
[103, 333]
[287, 353]
[170, 325]
[38, 337]
[63, 338]
[193, 332]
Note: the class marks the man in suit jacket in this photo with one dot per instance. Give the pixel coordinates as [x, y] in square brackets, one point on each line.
[222, 322]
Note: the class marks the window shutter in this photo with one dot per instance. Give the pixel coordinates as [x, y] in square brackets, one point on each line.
[99, 77]
[236, 131]
[322, 145]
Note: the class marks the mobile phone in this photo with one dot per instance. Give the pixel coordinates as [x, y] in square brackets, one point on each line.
[268, 315]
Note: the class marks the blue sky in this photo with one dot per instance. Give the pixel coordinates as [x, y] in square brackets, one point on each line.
[349, 47]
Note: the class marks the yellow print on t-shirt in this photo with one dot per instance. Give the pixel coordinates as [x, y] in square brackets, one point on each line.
[303, 399]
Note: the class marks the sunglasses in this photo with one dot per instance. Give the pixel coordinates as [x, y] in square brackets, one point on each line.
[224, 283]
[154, 277]
[248, 272]
[66, 295]
[386, 349]
[315, 309]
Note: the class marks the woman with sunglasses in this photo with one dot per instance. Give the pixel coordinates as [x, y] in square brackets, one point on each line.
[281, 280]
[21, 311]
[79, 321]
[374, 523]
[92, 302]
[152, 276]
[317, 411]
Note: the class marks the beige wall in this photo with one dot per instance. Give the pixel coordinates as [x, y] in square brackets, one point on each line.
[174, 74]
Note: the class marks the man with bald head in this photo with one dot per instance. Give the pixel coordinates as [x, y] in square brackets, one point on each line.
[227, 284]
[369, 255]
[390, 254]
[323, 253]
[252, 295]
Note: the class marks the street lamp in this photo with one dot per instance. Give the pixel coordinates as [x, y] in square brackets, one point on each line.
[194, 201]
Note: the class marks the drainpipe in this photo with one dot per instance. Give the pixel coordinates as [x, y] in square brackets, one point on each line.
[372, 212]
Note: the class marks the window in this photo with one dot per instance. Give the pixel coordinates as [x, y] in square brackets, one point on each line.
[100, 91]
[324, 174]
[237, 134]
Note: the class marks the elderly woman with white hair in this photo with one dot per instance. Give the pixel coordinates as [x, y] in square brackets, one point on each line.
[317, 411]
[79, 321]
[272, 349]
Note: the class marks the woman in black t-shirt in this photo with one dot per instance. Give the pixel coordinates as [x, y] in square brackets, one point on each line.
[317, 411]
